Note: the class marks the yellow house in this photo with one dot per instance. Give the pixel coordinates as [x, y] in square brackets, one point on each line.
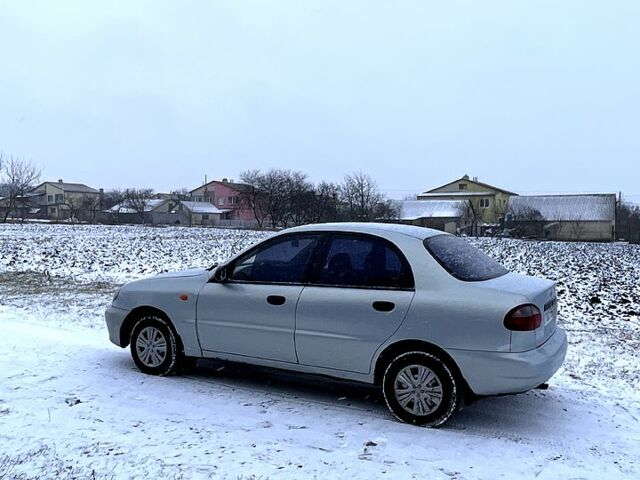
[489, 203]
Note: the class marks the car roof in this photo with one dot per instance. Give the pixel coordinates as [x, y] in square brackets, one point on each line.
[372, 228]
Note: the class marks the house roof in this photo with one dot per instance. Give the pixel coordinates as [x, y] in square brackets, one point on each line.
[568, 208]
[70, 187]
[150, 206]
[202, 207]
[241, 187]
[164, 196]
[466, 178]
[462, 193]
[415, 209]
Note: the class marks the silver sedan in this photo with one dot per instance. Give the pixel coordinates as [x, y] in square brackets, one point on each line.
[427, 317]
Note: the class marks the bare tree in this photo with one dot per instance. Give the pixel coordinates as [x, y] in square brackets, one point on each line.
[468, 216]
[482, 213]
[82, 206]
[500, 207]
[299, 198]
[271, 198]
[361, 196]
[88, 206]
[634, 224]
[524, 220]
[326, 203]
[254, 197]
[93, 204]
[137, 199]
[577, 229]
[274, 187]
[388, 210]
[112, 202]
[73, 205]
[627, 222]
[112, 198]
[18, 178]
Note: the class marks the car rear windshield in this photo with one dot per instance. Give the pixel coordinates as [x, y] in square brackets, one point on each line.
[462, 260]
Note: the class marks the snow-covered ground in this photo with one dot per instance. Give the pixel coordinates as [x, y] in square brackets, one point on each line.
[72, 405]
[95, 253]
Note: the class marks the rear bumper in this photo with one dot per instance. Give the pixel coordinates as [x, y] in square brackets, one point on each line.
[114, 317]
[493, 373]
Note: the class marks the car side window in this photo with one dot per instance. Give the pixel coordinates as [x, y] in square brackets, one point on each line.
[280, 261]
[364, 261]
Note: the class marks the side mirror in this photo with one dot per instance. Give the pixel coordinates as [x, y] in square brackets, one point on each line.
[221, 274]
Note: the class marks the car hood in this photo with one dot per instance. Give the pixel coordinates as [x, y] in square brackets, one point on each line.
[192, 272]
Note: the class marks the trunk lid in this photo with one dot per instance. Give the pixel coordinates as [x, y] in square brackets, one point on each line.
[538, 291]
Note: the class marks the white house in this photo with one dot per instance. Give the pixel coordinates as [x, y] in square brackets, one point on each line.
[585, 217]
[200, 213]
[451, 216]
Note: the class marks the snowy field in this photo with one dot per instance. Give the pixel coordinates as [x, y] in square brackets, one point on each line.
[72, 405]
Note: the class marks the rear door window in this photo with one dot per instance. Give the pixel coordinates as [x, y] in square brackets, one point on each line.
[363, 261]
[462, 260]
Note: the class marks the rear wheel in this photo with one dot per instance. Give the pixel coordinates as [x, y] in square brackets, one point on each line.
[420, 389]
[154, 346]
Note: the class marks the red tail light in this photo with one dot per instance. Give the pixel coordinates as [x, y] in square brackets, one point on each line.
[524, 318]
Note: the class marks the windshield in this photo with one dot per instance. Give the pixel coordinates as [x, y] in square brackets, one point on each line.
[462, 260]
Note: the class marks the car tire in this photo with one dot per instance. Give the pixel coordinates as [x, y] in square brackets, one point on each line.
[154, 346]
[420, 389]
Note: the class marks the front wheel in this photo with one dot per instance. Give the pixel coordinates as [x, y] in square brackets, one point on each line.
[419, 388]
[154, 346]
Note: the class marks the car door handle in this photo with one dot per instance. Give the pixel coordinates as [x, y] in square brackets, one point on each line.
[276, 299]
[384, 306]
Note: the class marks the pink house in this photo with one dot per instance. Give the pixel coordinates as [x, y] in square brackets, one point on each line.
[227, 196]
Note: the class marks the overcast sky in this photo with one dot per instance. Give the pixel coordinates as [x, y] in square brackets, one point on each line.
[527, 95]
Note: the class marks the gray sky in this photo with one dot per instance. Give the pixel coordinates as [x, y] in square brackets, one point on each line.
[530, 96]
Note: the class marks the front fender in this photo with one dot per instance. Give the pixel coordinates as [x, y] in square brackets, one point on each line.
[175, 297]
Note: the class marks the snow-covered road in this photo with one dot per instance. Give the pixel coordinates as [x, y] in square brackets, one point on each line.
[72, 405]
[83, 400]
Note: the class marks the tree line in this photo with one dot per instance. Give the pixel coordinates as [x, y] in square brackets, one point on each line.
[284, 198]
[277, 197]
[628, 222]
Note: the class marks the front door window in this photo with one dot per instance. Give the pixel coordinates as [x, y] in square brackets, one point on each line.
[282, 261]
